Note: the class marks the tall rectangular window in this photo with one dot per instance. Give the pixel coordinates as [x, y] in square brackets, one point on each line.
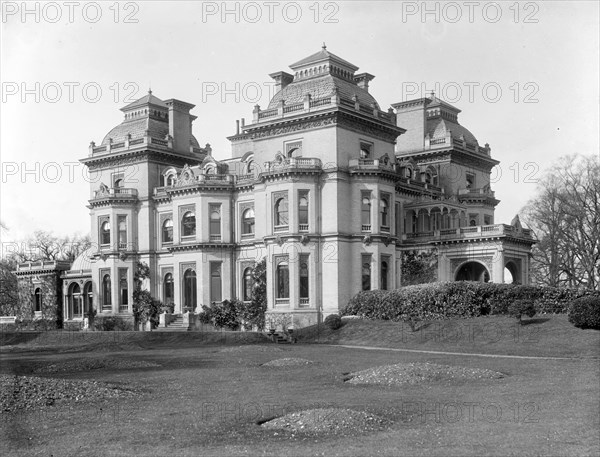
[280, 212]
[104, 228]
[215, 282]
[384, 208]
[304, 280]
[214, 211]
[303, 210]
[365, 211]
[122, 228]
[366, 272]
[282, 281]
[123, 291]
[398, 219]
[385, 270]
[106, 294]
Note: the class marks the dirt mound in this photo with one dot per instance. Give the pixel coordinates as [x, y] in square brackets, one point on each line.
[26, 392]
[335, 421]
[417, 373]
[287, 362]
[95, 364]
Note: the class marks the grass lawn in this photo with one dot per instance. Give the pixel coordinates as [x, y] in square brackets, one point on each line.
[208, 395]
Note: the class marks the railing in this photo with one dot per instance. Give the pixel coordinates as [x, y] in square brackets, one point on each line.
[267, 113]
[304, 301]
[122, 245]
[293, 108]
[247, 236]
[214, 178]
[473, 192]
[248, 177]
[303, 227]
[282, 301]
[280, 228]
[472, 232]
[385, 228]
[123, 308]
[366, 227]
[293, 162]
[215, 237]
[114, 192]
[370, 164]
[320, 102]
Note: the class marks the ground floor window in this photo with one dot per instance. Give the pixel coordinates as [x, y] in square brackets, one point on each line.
[304, 281]
[384, 274]
[366, 272]
[189, 290]
[248, 284]
[37, 299]
[123, 291]
[283, 280]
[215, 282]
[168, 289]
[106, 292]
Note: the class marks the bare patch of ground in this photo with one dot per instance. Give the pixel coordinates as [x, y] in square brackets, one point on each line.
[287, 362]
[417, 373]
[28, 392]
[328, 421]
[252, 348]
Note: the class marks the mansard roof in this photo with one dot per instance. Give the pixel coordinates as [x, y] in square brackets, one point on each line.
[321, 56]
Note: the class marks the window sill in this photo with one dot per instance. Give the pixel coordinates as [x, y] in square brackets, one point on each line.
[280, 228]
[188, 239]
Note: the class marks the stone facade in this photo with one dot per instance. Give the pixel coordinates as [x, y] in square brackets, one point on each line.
[323, 183]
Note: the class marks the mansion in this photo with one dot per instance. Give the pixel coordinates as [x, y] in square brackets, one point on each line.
[328, 187]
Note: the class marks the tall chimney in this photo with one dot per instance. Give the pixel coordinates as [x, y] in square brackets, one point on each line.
[180, 124]
[281, 79]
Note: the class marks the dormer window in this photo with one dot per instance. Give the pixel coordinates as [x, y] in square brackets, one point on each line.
[118, 179]
[470, 181]
[366, 149]
[293, 149]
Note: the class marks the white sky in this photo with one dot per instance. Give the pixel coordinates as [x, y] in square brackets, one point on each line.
[184, 54]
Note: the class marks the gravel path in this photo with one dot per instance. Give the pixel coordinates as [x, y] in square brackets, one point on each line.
[287, 362]
[26, 392]
[94, 364]
[252, 348]
[334, 421]
[416, 373]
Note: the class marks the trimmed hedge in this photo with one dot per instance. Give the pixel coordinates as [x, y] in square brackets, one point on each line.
[445, 300]
[584, 312]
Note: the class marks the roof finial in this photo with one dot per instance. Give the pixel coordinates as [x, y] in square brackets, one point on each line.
[150, 88]
[324, 47]
[432, 95]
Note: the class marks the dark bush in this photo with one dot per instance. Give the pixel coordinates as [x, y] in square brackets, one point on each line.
[36, 324]
[520, 308]
[112, 323]
[584, 312]
[333, 321]
[457, 299]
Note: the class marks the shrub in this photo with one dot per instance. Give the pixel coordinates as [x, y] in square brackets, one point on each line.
[520, 308]
[222, 315]
[112, 323]
[333, 321]
[584, 312]
[36, 324]
[457, 299]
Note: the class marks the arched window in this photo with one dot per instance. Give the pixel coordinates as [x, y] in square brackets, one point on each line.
[365, 211]
[167, 231]
[188, 224]
[38, 299]
[283, 281]
[303, 210]
[409, 173]
[248, 284]
[189, 290]
[384, 275]
[88, 298]
[250, 167]
[122, 228]
[428, 178]
[106, 292]
[385, 217]
[118, 183]
[215, 222]
[76, 310]
[170, 180]
[281, 211]
[248, 222]
[366, 273]
[105, 233]
[168, 289]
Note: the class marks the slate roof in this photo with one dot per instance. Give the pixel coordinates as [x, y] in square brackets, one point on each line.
[438, 127]
[137, 128]
[323, 54]
[319, 87]
[145, 100]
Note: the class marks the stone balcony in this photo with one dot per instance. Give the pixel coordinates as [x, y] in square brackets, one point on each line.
[479, 231]
[114, 194]
[460, 143]
[470, 193]
[42, 265]
[292, 163]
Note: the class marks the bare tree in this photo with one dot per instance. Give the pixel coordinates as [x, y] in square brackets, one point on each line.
[565, 214]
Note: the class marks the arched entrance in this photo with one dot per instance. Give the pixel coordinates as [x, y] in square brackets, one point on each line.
[511, 273]
[472, 271]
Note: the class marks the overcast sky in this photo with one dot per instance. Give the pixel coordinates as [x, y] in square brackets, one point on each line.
[527, 74]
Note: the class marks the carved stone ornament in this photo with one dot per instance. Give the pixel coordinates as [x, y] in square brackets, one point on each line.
[104, 256]
[387, 240]
[103, 190]
[122, 255]
[186, 177]
[304, 240]
[367, 239]
[279, 240]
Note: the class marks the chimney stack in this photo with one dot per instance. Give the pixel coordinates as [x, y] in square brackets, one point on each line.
[180, 124]
[281, 79]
